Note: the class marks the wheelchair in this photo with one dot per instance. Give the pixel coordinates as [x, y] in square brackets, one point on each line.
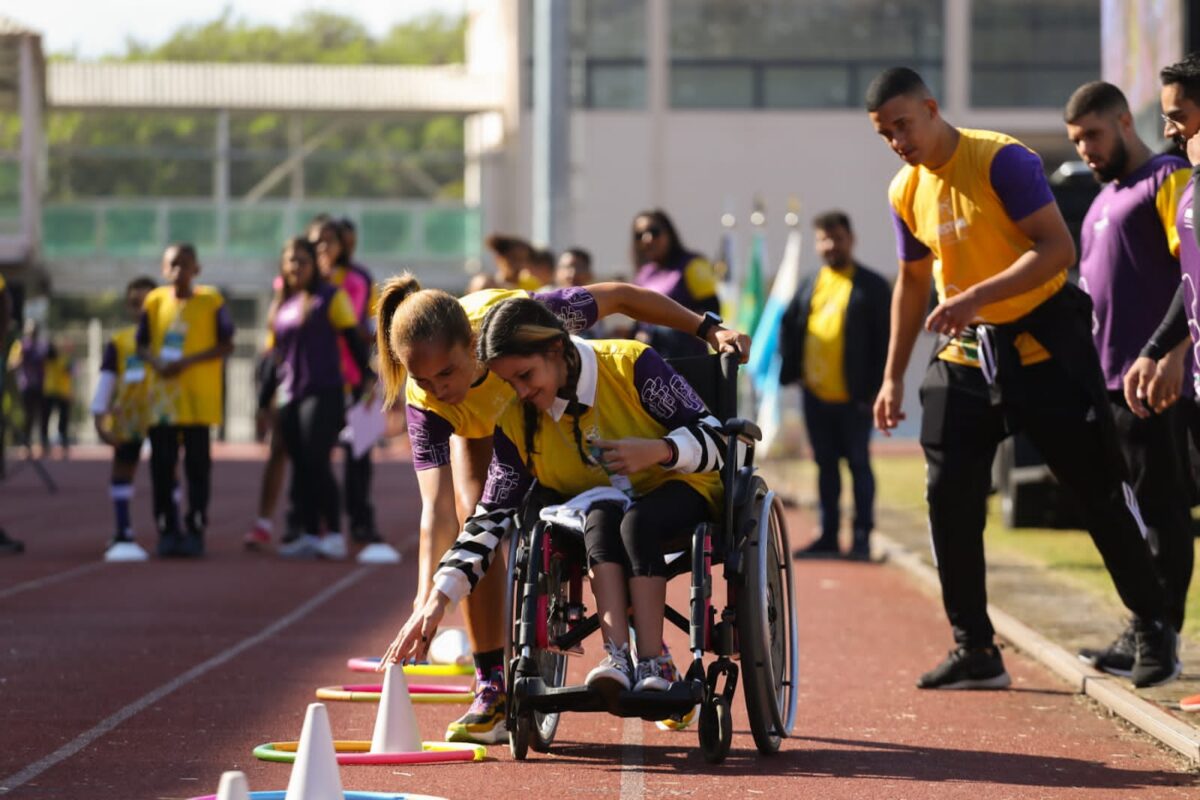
[754, 635]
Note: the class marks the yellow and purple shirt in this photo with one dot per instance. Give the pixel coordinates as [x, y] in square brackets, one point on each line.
[307, 332]
[965, 214]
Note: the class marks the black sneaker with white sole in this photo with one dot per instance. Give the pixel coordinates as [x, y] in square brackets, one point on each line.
[1157, 654]
[1117, 658]
[974, 668]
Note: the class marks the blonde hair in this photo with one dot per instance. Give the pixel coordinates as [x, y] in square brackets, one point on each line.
[408, 314]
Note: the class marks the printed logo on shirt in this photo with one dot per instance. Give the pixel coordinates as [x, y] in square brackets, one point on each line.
[1187, 217]
[1101, 224]
[1083, 284]
[135, 370]
[686, 394]
[502, 483]
[658, 398]
[950, 226]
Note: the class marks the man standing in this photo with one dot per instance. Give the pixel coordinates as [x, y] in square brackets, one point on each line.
[834, 341]
[1016, 353]
[8, 546]
[1129, 267]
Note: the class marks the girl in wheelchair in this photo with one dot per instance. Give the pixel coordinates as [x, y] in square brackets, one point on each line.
[620, 399]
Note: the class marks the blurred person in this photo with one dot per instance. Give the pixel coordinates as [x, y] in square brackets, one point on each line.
[512, 256]
[120, 407]
[481, 281]
[184, 334]
[333, 259]
[1015, 352]
[307, 370]
[539, 275]
[574, 268]
[1130, 268]
[8, 545]
[28, 360]
[834, 340]
[266, 428]
[663, 264]
[58, 391]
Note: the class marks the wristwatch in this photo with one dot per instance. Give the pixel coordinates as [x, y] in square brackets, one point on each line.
[711, 320]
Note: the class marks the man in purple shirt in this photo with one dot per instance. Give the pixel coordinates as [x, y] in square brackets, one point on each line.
[1129, 267]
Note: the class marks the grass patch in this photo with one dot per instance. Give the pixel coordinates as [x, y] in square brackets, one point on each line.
[1069, 554]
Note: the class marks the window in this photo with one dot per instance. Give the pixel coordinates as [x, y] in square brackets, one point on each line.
[787, 54]
[1032, 52]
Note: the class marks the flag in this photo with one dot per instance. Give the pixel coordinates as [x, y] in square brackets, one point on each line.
[765, 358]
[750, 302]
[726, 268]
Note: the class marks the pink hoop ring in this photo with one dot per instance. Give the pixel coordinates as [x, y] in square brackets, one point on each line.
[372, 692]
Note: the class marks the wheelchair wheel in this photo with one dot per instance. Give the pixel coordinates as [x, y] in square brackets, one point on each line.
[767, 629]
[535, 729]
[716, 729]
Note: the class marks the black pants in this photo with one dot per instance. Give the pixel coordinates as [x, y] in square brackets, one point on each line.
[165, 441]
[356, 478]
[960, 430]
[60, 406]
[1156, 452]
[310, 427]
[841, 431]
[33, 403]
[659, 523]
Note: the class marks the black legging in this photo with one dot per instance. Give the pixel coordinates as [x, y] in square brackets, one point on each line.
[659, 523]
[61, 406]
[197, 469]
[357, 480]
[310, 427]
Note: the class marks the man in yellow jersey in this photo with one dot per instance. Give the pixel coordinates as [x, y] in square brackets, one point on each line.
[8, 546]
[1015, 352]
[834, 340]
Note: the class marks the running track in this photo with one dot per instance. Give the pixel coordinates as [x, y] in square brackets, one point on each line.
[149, 680]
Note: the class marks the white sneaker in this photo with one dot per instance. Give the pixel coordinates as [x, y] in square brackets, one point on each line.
[332, 546]
[303, 546]
[614, 671]
[649, 677]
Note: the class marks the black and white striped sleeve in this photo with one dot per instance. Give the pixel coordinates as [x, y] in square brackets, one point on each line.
[468, 559]
[671, 400]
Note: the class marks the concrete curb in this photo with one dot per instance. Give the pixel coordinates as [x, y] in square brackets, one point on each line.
[1108, 691]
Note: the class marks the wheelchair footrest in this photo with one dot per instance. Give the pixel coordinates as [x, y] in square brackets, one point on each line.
[679, 699]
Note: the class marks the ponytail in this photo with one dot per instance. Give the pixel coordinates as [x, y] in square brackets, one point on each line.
[391, 372]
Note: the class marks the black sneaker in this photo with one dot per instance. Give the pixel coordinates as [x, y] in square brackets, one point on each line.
[977, 668]
[821, 548]
[10, 547]
[365, 535]
[1157, 660]
[169, 545]
[1117, 658]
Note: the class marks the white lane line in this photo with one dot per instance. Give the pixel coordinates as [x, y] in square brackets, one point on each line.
[145, 701]
[50, 580]
[633, 779]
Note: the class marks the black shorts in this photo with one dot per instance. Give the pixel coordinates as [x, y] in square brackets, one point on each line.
[128, 452]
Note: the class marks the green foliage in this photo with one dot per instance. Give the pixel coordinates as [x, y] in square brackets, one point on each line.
[170, 154]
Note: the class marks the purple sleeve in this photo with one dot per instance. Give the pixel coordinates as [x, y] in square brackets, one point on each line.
[508, 478]
[1019, 181]
[224, 324]
[665, 394]
[575, 306]
[108, 361]
[908, 247]
[429, 436]
[143, 330]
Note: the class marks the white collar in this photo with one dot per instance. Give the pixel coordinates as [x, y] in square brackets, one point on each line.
[585, 388]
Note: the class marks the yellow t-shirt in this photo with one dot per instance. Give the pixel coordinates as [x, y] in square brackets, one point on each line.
[179, 328]
[617, 413]
[700, 278]
[825, 337]
[57, 380]
[957, 212]
[133, 398]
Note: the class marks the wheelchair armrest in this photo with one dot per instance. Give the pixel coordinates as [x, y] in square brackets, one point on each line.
[743, 429]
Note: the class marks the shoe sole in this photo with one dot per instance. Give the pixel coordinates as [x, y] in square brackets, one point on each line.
[1190, 703]
[662, 687]
[1120, 673]
[999, 682]
[496, 735]
[1175, 673]
[607, 686]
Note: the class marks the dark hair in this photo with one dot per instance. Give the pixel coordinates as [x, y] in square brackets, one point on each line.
[676, 252]
[301, 243]
[503, 245]
[828, 220]
[184, 248]
[1186, 73]
[348, 224]
[1094, 98]
[584, 257]
[407, 313]
[139, 283]
[319, 224]
[542, 257]
[894, 82]
[522, 326]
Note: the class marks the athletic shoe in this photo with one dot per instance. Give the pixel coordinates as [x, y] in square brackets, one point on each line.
[365, 535]
[670, 673]
[1117, 658]
[190, 546]
[1191, 703]
[1157, 654]
[821, 548]
[169, 545]
[977, 668]
[332, 546]
[259, 538]
[648, 677]
[10, 547]
[614, 672]
[303, 546]
[485, 721]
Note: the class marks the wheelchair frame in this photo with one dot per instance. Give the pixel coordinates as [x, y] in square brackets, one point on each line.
[757, 626]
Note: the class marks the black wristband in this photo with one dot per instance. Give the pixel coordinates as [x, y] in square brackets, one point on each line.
[674, 459]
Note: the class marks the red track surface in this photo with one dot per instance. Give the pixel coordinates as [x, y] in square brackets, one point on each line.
[76, 651]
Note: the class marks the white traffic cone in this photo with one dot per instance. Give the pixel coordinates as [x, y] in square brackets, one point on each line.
[378, 553]
[120, 552]
[233, 786]
[315, 773]
[396, 725]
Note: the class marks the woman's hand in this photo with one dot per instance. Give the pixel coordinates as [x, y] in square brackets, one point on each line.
[412, 642]
[627, 456]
